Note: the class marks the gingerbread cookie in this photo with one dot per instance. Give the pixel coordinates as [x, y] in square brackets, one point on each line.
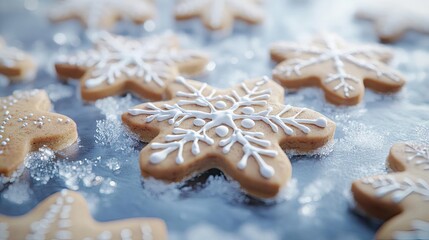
[401, 197]
[26, 125]
[102, 14]
[65, 215]
[393, 22]
[117, 65]
[241, 131]
[15, 64]
[220, 14]
[340, 69]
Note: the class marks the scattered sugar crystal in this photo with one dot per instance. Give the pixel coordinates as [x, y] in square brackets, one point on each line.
[18, 192]
[114, 165]
[41, 165]
[108, 186]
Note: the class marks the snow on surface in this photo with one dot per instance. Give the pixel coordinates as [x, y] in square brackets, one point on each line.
[105, 167]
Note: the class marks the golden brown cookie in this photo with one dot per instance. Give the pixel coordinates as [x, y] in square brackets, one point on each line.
[118, 64]
[65, 215]
[26, 124]
[401, 197]
[242, 131]
[342, 70]
[394, 18]
[15, 64]
[102, 14]
[220, 14]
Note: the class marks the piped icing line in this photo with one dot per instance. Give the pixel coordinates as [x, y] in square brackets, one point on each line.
[116, 57]
[57, 221]
[94, 13]
[10, 56]
[224, 111]
[419, 154]
[399, 189]
[330, 51]
[420, 230]
[215, 11]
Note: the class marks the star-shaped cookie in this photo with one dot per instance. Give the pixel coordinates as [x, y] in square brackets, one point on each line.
[102, 14]
[220, 14]
[242, 131]
[394, 18]
[26, 124]
[342, 70]
[65, 215]
[118, 64]
[401, 197]
[15, 64]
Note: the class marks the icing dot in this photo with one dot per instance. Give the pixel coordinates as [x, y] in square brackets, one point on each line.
[248, 110]
[221, 131]
[126, 233]
[199, 122]
[247, 123]
[220, 105]
[105, 235]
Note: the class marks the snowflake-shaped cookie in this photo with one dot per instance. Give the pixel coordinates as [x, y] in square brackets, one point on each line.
[26, 125]
[220, 14]
[15, 64]
[102, 14]
[401, 197]
[340, 69]
[394, 18]
[118, 64]
[65, 215]
[242, 131]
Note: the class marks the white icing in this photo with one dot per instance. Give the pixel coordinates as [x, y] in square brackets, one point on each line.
[247, 110]
[419, 154]
[221, 117]
[399, 189]
[57, 218]
[4, 231]
[215, 10]
[420, 231]
[402, 15]
[126, 234]
[220, 105]
[247, 123]
[146, 231]
[365, 58]
[12, 114]
[116, 58]
[10, 56]
[199, 122]
[93, 12]
[221, 131]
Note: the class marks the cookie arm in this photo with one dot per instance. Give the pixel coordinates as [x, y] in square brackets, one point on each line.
[412, 224]
[191, 62]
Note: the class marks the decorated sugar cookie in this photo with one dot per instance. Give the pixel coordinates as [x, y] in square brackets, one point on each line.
[15, 64]
[401, 197]
[241, 131]
[65, 215]
[118, 64]
[26, 124]
[342, 70]
[102, 14]
[394, 18]
[220, 14]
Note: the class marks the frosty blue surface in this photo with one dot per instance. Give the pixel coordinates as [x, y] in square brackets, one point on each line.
[104, 164]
